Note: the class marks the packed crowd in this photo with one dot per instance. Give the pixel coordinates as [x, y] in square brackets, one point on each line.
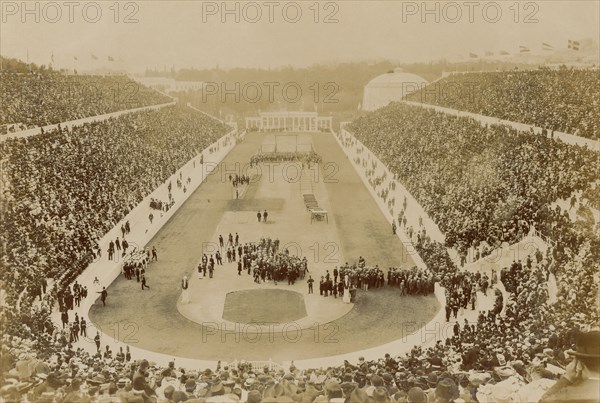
[64, 189]
[515, 352]
[561, 100]
[306, 158]
[267, 263]
[464, 369]
[33, 96]
[479, 183]
[592, 195]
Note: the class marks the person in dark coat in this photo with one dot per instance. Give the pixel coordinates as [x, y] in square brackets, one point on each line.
[103, 295]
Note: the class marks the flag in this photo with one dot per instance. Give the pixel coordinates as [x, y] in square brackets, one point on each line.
[473, 55]
[75, 58]
[573, 45]
[94, 57]
[110, 59]
[504, 53]
[523, 49]
[546, 46]
[487, 53]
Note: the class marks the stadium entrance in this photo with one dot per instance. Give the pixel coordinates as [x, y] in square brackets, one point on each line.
[288, 121]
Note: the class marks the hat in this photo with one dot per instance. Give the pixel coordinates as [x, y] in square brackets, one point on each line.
[416, 395]
[587, 345]
[380, 394]
[387, 378]
[190, 385]
[505, 371]
[348, 387]
[478, 378]
[254, 396]
[432, 380]
[217, 389]
[446, 389]
[332, 386]
[359, 396]
[376, 380]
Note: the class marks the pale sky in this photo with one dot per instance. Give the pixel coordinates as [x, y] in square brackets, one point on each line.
[192, 33]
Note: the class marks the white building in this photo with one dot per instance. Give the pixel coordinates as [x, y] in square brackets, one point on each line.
[383, 89]
[289, 121]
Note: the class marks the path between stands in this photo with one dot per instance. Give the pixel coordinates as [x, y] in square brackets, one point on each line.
[78, 122]
[565, 137]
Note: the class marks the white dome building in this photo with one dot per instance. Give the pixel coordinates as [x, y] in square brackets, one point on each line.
[389, 87]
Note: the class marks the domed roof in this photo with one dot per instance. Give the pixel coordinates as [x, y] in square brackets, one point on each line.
[397, 78]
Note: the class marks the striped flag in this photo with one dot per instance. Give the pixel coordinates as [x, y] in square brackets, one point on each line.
[94, 57]
[546, 46]
[504, 53]
[573, 45]
[110, 59]
[523, 49]
[473, 55]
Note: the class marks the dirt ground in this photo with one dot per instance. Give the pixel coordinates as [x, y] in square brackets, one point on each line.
[150, 319]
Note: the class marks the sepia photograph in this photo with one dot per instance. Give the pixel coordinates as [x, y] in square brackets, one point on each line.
[309, 201]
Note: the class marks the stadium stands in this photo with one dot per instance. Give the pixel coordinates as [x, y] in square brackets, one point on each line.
[564, 100]
[32, 96]
[64, 189]
[477, 183]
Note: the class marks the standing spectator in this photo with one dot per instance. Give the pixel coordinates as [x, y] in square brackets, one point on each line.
[144, 282]
[103, 295]
[97, 341]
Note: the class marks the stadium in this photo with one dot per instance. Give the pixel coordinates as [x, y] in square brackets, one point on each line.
[417, 230]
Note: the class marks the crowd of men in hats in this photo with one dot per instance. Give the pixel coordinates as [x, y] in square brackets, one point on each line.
[65, 189]
[265, 262]
[537, 97]
[305, 158]
[522, 350]
[419, 376]
[463, 199]
[160, 205]
[23, 84]
[239, 180]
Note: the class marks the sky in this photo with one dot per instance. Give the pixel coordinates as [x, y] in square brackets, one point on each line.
[271, 33]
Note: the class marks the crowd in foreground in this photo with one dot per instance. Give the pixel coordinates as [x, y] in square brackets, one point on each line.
[564, 100]
[37, 96]
[560, 367]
